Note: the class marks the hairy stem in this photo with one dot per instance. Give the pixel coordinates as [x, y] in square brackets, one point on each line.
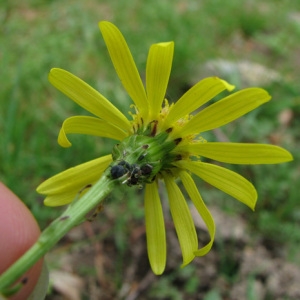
[74, 215]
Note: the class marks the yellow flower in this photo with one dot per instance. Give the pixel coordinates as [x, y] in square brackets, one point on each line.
[161, 143]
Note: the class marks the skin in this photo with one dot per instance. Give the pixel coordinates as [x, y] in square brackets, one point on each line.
[18, 232]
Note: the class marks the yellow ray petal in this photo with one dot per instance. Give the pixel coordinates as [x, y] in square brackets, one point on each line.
[75, 178]
[183, 221]
[158, 71]
[225, 110]
[87, 97]
[238, 153]
[196, 96]
[124, 65]
[60, 199]
[194, 194]
[155, 229]
[223, 179]
[90, 126]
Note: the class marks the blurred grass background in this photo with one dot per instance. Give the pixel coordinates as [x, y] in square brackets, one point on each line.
[211, 38]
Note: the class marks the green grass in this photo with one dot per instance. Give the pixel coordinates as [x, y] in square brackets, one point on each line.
[37, 35]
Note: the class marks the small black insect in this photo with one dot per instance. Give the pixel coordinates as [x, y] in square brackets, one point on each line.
[146, 169]
[142, 156]
[134, 176]
[125, 164]
[134, 173]
[64, 218]
[118, 171]
[177, 141]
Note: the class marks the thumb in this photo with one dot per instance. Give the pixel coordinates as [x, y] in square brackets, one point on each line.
[18, 232]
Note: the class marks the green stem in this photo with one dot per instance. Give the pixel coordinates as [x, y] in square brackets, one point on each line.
[74, 215]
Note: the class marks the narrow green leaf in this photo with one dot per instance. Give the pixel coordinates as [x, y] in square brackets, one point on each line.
[41, 288]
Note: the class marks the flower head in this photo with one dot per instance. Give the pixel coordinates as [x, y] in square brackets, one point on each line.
[160, 142]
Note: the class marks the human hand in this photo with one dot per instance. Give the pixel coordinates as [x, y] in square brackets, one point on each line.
[18, 232]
